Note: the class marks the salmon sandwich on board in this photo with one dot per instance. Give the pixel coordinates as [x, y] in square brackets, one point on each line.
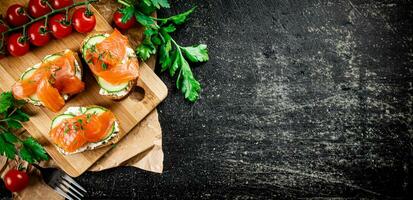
[51, 82]
[84, 128]
[113, 63]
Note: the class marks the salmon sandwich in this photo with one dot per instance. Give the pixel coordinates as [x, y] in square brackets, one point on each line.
[51, 82]
[113, 63]
[84, 128]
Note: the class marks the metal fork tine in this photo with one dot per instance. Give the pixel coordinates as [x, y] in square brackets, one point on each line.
[70, 180]
[67, 184]
[65, 188]
[61, 192]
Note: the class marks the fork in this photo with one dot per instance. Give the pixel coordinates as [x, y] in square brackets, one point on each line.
[63, 184]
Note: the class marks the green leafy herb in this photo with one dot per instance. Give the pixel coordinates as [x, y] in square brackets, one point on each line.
[92, 49]
[160, 3]
[32, 151]
[7, 148]
[78, 125]
[104, 66]
[196, 54]
[145, 20]
[157, 3]
[88, 117]
[10, 137]
[177, 19]
[11, 117]
[172, 57]
[127, 13]
[100, 56]
[146, 48]
[6, 101]
[66, 129]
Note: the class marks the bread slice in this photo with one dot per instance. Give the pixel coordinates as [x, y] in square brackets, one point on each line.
[111, 138]
[115, 92]
[29, 71]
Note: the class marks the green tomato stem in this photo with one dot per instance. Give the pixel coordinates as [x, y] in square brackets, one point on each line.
[4, 23]
[88, 12]
[67, 14]
[31, 18]
[50, 6]
[45, 23]
[24, 38]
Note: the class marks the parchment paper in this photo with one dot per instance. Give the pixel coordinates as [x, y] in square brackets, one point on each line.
[141, 148]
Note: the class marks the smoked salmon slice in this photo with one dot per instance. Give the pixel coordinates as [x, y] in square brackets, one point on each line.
[67, 135]
[110, 60]
[121, 74]
[51, 80]
[25, 88]
[74, 133]
[98, 126]
[116, 43]
[50, 96]
[69, 85]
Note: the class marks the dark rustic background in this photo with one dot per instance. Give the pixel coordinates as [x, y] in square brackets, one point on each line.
[301, 99]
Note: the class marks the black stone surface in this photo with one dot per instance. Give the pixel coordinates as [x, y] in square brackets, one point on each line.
[301, 99]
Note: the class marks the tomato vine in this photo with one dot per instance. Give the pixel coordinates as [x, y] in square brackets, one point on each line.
[44, 17]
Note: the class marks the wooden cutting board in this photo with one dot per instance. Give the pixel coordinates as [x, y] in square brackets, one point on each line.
[129, 111]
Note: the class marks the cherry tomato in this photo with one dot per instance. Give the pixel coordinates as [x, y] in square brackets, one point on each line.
[17, 45]
[117, 19]
[38, 34]
[16, 15]
[57, 4]
[16, 180]
[38, 8]
[83, 20]
[59, 26]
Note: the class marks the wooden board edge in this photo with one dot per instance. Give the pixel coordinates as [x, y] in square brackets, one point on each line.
[161, 91]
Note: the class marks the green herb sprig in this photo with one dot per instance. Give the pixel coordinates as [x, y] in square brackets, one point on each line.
[172, 56]
[11, 117]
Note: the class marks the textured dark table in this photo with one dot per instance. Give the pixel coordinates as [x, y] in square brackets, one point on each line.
[301, 99]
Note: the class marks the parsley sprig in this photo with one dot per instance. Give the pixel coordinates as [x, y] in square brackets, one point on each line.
[172, 56]
[11, 117]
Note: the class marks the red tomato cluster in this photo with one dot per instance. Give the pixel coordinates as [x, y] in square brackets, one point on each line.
[39, 33]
